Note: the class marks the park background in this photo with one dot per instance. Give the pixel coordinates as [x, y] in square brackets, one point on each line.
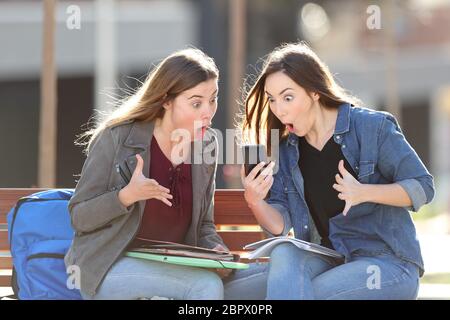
[61, 60]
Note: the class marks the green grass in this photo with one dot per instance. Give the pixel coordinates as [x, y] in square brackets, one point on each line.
[436, 278]
[426, 212]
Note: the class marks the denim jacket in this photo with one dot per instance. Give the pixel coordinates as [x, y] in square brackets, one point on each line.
[375, 147]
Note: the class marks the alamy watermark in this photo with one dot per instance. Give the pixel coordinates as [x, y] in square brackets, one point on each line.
[374, 280]
[374, 19]
[73, 21]
[74, 279]
[209, 153]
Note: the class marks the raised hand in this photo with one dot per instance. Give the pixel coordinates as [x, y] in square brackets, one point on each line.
[348, 187]
[142, 188]
[256, 188]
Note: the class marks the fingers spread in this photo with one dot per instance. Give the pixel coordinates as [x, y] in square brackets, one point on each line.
[139, 165]
[338, 187]
[167, 202]
[348, 205]
[255, 170]
[265, 173]
[342, 169]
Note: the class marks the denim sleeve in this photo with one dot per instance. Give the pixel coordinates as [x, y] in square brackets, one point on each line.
[279, 201]
[399, 162]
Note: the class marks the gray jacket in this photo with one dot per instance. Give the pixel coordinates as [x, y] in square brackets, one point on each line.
[103, 226]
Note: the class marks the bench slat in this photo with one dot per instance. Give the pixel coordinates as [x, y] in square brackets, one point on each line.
[4, 244]
[230, 210]
[5, 278]
[5, 206]
[5, 263]
[9, 197]
[236, 240]
[230, 205]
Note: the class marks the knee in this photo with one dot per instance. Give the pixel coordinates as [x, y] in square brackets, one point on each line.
[208, 287]
[284, 252]
[287, 255]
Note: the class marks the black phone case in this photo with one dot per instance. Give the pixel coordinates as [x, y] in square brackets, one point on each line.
[248, 167]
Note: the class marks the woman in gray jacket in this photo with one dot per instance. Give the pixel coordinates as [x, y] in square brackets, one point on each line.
[139, 181]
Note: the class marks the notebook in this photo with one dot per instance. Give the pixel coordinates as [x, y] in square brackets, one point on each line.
[264, 247]
[182, 254]
[186, 261]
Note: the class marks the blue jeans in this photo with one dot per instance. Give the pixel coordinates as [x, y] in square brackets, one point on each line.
[297, 274]
[247, 284]
[131, 278]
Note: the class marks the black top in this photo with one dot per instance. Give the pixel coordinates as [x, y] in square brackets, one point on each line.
[319, 169]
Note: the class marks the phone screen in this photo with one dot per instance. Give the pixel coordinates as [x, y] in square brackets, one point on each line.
[253, 154]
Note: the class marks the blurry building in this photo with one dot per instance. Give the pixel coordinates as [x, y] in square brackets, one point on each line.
[144, 32]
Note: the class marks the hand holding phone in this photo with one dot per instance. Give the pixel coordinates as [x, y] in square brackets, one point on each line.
[253, 154]
[256, 185]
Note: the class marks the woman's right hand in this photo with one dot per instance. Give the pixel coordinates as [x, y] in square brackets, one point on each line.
[142, 188]
[256, 188]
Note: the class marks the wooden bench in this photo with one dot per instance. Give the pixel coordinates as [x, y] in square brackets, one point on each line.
[231, 212]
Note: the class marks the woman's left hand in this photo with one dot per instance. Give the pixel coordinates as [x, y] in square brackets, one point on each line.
[350, 189]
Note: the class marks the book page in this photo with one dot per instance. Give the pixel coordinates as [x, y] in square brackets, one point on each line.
[264, 247]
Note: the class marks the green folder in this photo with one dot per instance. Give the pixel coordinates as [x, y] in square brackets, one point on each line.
[186, 261]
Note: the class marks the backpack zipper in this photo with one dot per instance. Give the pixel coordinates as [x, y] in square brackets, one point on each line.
[46, 255]
[122, 173]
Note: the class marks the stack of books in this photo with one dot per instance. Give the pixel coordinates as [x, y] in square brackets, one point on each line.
[182, 254]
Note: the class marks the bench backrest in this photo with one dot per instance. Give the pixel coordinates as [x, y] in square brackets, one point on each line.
[234, 220]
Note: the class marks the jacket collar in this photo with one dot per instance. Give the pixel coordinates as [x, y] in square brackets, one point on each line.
[141, 134]
[343, 119]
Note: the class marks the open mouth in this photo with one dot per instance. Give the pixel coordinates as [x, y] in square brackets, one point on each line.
[290, 127]
[203, 130]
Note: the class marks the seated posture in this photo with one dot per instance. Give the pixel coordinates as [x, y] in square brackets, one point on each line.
[346, 179]
[141, 180]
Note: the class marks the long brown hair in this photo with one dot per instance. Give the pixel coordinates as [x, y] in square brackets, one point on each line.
[304, 67]
[178, 72]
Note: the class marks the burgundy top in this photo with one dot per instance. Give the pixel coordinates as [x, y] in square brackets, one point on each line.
[161, 222]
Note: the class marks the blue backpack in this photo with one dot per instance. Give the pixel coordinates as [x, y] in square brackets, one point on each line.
[40, 234]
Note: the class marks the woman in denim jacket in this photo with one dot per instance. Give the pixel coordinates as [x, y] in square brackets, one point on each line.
[346, 178]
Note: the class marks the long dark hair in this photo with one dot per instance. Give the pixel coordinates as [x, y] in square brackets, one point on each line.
[304, 67]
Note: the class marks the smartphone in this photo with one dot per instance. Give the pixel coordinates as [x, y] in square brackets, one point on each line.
[253, 154]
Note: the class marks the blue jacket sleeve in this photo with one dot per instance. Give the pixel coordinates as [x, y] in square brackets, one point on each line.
[399, 162]
[278, 200]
